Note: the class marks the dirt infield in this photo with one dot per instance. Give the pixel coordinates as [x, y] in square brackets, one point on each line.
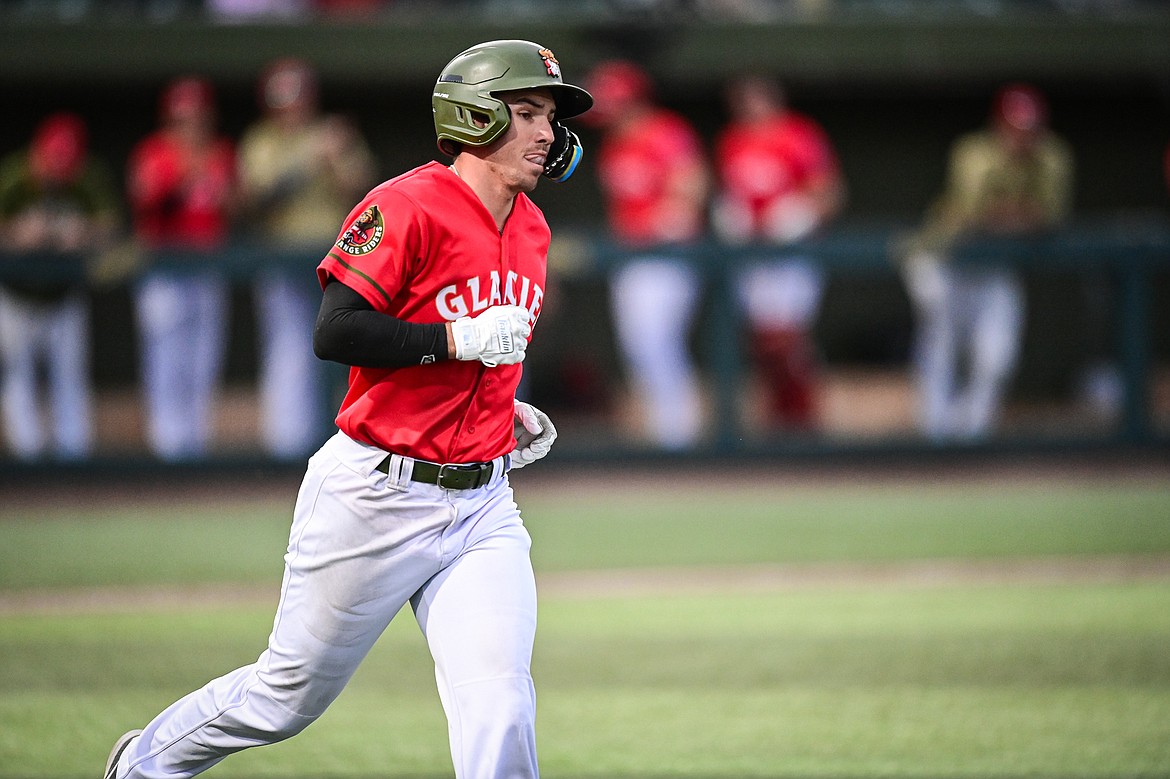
[621, 583]
[563, 481]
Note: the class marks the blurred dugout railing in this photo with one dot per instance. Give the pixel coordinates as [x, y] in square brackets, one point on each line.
[1129, 253]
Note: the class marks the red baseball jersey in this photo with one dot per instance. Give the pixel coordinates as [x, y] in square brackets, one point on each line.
[178, 197]
[759, 164]
[423, 248]
[634, 167]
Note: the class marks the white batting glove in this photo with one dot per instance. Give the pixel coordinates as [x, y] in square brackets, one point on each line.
[498, 336]
[534, 434]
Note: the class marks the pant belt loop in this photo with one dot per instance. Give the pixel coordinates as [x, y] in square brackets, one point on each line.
[400, 470]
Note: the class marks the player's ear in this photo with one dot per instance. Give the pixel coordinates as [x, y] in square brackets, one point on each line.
[564, 154]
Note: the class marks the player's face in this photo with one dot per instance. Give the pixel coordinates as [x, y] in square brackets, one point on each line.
[520, 154]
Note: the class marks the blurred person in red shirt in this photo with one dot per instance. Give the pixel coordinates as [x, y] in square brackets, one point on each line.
[181, 183]
[779, 182]
[655, 179]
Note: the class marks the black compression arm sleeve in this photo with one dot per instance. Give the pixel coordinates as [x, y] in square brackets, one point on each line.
[351, 332]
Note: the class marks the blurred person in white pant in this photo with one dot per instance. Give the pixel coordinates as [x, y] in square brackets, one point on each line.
[1013, 179]
[300, 171]
[181, 183]
[54, 197]
[655, 178]
[779, 183]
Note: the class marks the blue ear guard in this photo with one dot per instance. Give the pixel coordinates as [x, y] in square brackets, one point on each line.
[564, 155]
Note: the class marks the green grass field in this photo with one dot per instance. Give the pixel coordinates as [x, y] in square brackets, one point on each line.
[1055, 663]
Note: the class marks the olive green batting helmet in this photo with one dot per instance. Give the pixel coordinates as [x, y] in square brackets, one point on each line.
[469, 84]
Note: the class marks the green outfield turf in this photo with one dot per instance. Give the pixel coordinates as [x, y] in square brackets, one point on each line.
[1066, 674]
[589, 526]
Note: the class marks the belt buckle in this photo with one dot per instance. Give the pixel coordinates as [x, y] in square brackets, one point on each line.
[447, 469]
[475, 475]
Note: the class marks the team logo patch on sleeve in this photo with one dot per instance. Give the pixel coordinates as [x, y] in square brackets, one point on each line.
[364, 235]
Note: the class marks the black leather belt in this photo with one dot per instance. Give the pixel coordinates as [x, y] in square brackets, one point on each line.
[450, 476]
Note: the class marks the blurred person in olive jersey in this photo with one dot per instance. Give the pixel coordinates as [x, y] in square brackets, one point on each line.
[300, 172]
[654, 177]
[1011, 179]
[181, 190]
[55, 199]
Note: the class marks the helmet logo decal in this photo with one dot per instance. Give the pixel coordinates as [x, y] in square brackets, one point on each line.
[550, 63]
[364, 235]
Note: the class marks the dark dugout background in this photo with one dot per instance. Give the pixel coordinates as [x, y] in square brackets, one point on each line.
[893, 91]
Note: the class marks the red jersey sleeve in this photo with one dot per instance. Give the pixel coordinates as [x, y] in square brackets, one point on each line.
[381, 240]
[815, 150]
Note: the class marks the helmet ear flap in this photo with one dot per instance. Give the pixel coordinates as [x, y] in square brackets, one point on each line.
[472, 117]
[468, 118]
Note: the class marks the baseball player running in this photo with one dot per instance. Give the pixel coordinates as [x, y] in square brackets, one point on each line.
[430, 294]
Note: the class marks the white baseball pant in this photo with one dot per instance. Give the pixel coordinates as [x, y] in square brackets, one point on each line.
[362, 545]
[291, 403]
[654, 304]
[182, 319]
[970, 318]
[55, 336]
[784, 294]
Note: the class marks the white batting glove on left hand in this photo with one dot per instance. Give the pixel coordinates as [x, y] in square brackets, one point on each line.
[534, 434]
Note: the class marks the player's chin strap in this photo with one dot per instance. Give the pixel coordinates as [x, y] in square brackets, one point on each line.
[564, 154]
